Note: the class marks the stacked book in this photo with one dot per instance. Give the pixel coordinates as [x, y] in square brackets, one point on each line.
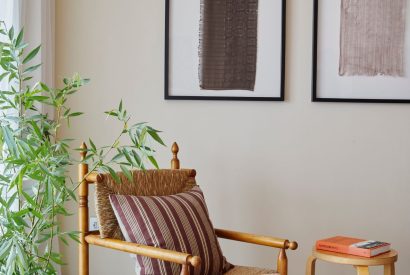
[353, 246]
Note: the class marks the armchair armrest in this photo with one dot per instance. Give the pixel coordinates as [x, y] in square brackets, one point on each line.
[144, 250]
[256, 239]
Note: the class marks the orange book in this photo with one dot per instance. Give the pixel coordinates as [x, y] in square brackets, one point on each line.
[353, 246]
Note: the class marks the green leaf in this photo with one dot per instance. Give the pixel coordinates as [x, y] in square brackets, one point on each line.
[19, 38]
[8, 136]
[4, 203]
[20, 221]
[72, 194]
[11, 200]
[113, 174]
[29, 199]
[152, 129]
[142, 135]
[31, 55]
[156, 137]
[3, 75]
[37, 214]
[120, 106]
[76, 114]
[55, 257]
[153, 161]
[45, 237]
[111, 113]
[5, 248]
[62, 211]
[20, 179]
[61, 238]
[126, 172]
[39, 98]
[1, 50]
[74, 236]
[117, 157]
[67, 112]
[11, 33]
[32, 68]
[127, 156]
[137, 158]
[36, 129]
[21, 213]
[44, 87]
[21, 255]
[11, 264]
[22, 46]
[93, 147]
[138, 125]
[45, 170]
[3, 178]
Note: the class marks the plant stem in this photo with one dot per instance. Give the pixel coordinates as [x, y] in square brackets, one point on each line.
[35, 225]
[50, 244]
[57, 123]
[20, 107]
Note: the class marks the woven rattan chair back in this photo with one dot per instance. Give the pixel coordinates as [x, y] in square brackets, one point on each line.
[145, 183]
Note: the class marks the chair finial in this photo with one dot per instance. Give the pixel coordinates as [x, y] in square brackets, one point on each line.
[83, 151]
[175, 160]
[293, 245]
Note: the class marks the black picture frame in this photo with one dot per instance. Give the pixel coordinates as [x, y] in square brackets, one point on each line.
[315, 97]
[167, 95]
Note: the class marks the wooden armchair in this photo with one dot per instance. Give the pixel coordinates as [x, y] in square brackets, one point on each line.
[113, 239]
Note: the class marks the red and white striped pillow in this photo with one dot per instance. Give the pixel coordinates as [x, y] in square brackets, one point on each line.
[178, 222]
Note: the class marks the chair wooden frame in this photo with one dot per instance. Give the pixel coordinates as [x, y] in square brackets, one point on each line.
[87, 237]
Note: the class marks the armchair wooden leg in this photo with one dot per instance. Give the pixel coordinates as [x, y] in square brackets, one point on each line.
[83, 216]
[389, 269]
[282, 262]
[362, 270]
[311, 266]
[185, 269]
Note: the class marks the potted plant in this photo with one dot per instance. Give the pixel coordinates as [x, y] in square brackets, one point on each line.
[35, 160]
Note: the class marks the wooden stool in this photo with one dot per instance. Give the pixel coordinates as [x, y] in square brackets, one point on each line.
[360, 263]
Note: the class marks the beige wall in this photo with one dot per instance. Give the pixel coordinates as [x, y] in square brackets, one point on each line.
[296, 169]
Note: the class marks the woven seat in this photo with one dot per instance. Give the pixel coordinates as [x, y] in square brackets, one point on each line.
[246, 270]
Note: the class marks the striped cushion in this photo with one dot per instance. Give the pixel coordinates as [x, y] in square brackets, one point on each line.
[178, 222]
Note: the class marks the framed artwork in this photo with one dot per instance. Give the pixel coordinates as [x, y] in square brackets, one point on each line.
[225, 50]
[361, 51]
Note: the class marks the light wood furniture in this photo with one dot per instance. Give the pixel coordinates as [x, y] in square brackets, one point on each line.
[361, 264]
[93, 238]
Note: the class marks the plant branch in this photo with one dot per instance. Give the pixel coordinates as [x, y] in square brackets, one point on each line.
[100, 162]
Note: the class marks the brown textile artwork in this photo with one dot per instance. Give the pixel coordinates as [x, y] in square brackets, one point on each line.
[372, 35]
[228, 44]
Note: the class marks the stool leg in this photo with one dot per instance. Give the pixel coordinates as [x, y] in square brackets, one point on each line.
[311, 266]
[362, 270]
[389, 269]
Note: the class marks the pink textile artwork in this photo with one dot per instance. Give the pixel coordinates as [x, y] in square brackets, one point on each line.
[372, 37]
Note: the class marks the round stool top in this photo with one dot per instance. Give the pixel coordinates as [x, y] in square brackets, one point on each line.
[338, 258]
